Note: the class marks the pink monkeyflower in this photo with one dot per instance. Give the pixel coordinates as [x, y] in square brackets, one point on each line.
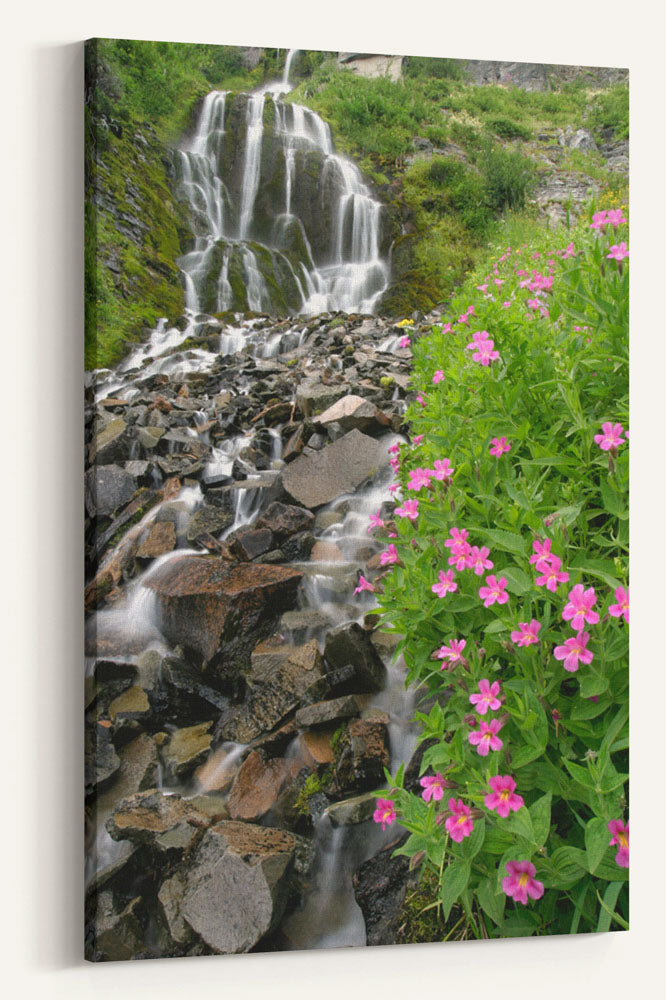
[459, 824]
[611, 437]
[409, 509]
[618, 251]
[494, 591]
[485, 738]
[389, 557]
[404, 341]
[520, 882]
[433, 786]
[443, 469]
[542, 554]
[438, 376]
[526, 635]
[569, 252]
[486, 698]
[376, 522]
[394, 487]
[479, 338]
[482, 288]
[418, 438]
[499, 282]
[364, 584]
[446, 328]
[621, 838]
[485, 353]
[464, 318]
[384, 813]
[418, 478]
[574, 650]
[552, 575]
[498, 446]
[533, 303]
[395, 464]
[622, 606]
[453, 652]
[470, 310]
[599, 220]
[422, 400]
[615, 217]
[460, 548]
[502, 796]
[506, 305]
[477, 559]
[394, 449]
[578, 610]
[446, 583]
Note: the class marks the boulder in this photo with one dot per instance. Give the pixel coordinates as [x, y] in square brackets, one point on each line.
[165, 822]
[109, 444]
[341, 467]
[354, 412]
[208, 520]
[161, 539]
[363, 753]
[351, 644]
[313, 397]
[258, 784]
[315, 746]
[284, 520]
[380, 886]
[187, 748]
[237, 887]
[101, 760]
[118, 933]
[252, 543]
[349, 812]
[219, 609]
[106, 488]
[300, 625]
[323, 712]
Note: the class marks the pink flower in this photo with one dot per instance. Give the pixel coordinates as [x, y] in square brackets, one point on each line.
[622, 606]
[611, 437]
[499, 282]
[498, 446]
[464, 318]
[615, 217]
[478, 338]
[384, 813]
[579, 608]
[520, 882]
[446, 583]
[574, 650]
[460, 548]
[485, 354]
[527, 634]
[404, 341]
[506, 305]
[390, 556]
[438, 377]
[618, 251]
[394, 487]
[494, 591]
[394, 449]
[418, 438]
[487, 697]
[364, 584]
[485, 738]
[422, 400]
[409, 509]
[459, 824]
[477, 559]
[621, 838]
[418, 478]
[502, 796]
[542, 554]
[482, 288]
[552, 575]
[443, 469]
[375, 522]
[599, 220]
[394, 463]
[453, 652]
[433, 787]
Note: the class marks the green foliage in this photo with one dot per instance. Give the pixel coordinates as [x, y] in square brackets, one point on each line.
[561, 374]
[509, 177]
[610, 109]
[430, 67]
[505, 128]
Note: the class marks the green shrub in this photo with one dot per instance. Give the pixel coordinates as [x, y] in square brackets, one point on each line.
[507, 128]
[509, 177]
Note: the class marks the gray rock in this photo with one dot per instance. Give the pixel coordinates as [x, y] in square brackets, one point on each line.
[341, 467]
[327, 711]
[118, 934]
[106, 488]
[109, 444]
[351, 644]
[349, 812]
[187, 748]
[353, 412]
[313, 397]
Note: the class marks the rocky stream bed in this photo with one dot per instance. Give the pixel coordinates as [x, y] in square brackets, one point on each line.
[241, 704]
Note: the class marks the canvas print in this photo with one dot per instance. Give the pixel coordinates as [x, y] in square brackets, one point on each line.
[356, 499]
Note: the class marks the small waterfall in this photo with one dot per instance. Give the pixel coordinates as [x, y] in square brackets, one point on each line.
[255, 130]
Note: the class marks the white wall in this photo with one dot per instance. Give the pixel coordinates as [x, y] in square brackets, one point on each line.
[40, 457]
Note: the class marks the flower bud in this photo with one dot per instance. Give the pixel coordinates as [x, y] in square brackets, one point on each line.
[416, 860]
[475, 813]
[470, 720]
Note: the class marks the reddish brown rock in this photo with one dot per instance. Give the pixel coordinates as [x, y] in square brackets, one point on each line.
[362, 755]
[316, 746]
[326, 552]
[285, 520]
[161, 538]
[220, 609]
[354, 412]
[258, 784]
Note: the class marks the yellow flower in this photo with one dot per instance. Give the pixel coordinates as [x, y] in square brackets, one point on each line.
[405, 322]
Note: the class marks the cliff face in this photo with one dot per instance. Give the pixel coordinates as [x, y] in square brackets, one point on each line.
[540, 76]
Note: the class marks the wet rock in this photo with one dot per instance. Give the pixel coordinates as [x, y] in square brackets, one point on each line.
[380, 886]
[258, 784]
[313, 397]
[349, 812]
[101, 760]
[208, 520]
[106, 488]
[252, 544]
[298, 547]
[298, 625]
[148, 437]
[161, 539]
[285, 520]
[130, 710]
[183, 695]
[315, 745]
[341, 467]
[237, 887]
[326, 552]
[323, 712]
[363, 754]
[162, 821]
[118, 934]
[170, 897]
[219, 609]
[354, 412]
[187, 748]
[109, 444]
[350, 644]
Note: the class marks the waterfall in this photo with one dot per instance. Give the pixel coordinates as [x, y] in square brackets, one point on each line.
[282, 223]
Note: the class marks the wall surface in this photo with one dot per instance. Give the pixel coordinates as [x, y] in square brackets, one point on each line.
[42, 325]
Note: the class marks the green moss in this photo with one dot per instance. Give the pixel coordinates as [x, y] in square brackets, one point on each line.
[314, 784]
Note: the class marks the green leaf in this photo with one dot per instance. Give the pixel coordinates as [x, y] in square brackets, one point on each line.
[492, 902]
[597, 839]
[520, 823]
[540, 813]
[472, 845]
[454, 880]
[593, 684]
[517, 581]
[614, 502]
[607, 904]
[506, 541]
[597, 568]
[495, 627]
[580, 774]
[568, 866]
